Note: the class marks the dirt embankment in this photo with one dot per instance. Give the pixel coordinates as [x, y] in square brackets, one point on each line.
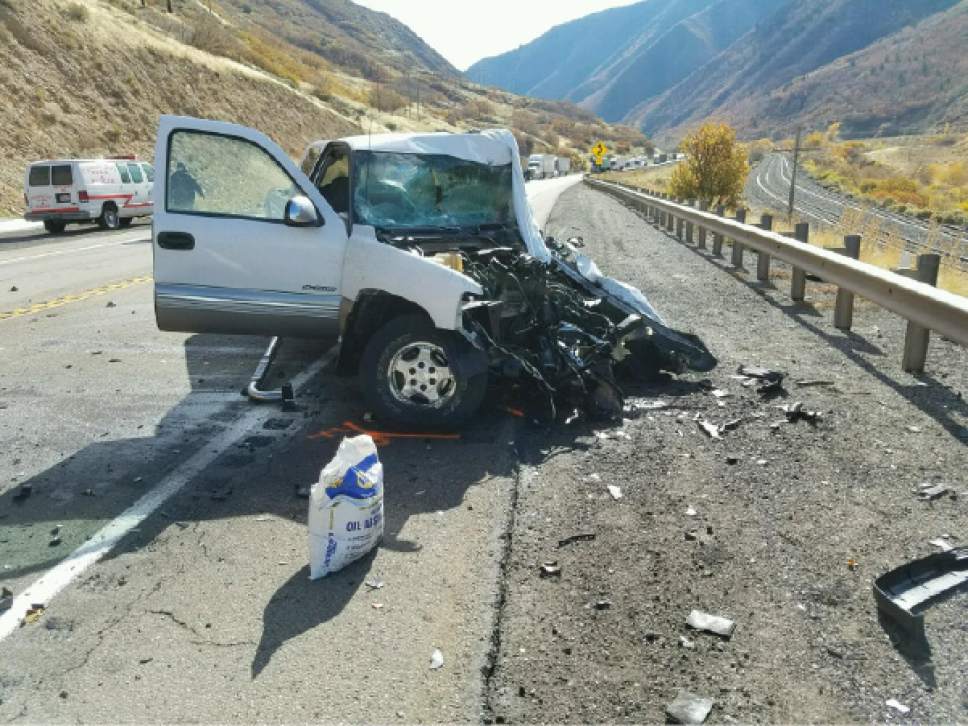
[94, 83]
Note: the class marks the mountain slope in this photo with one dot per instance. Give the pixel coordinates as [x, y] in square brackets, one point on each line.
[611, 61]
[799, 39]
[343, 32]
[674, 54]
[89, 78]
[914, 80]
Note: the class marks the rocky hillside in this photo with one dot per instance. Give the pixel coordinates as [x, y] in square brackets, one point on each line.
[90, 78]
[766, 82]
[612, 61]
[767, 66]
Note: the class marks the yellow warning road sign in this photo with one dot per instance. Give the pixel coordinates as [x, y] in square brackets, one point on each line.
[599, 149]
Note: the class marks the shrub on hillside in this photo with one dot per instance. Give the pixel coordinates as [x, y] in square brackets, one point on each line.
[208, 34]
[386, 99]
[77, 12]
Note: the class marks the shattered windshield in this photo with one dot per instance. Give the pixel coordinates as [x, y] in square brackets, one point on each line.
[401, 191]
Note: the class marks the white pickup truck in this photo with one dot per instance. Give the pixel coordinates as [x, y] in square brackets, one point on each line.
[417, 252]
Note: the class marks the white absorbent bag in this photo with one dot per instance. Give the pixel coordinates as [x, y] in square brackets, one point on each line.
[346, 507]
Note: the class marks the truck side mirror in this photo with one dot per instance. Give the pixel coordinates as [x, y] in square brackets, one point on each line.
[300, 212]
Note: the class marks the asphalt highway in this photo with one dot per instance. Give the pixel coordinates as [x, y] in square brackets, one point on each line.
[153, 532]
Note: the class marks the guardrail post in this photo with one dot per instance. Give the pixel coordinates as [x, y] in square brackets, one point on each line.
[844, 309]
[670, 222]
[916, 337]
[701, 244]
[691, 203]
[763, 259]
[737, 254]
[798, 284]
[718, 238]
[680, 223]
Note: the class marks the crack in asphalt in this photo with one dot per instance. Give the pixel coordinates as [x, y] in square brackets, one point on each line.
[493, 655]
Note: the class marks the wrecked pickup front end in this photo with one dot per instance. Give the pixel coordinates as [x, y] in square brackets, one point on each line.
[571, 332]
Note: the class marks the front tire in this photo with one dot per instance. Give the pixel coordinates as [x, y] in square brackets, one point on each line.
[109, 218]
[411, 376]
[54, 226]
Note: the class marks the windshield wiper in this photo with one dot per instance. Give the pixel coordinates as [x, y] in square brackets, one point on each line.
[427, 232]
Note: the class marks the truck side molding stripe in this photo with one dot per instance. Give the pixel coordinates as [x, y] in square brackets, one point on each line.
[248, 302]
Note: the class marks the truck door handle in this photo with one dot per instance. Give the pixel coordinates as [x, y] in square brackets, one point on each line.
[176, 241]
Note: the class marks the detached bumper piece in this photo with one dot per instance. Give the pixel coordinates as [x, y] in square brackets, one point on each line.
[566, 336]
[904, 593]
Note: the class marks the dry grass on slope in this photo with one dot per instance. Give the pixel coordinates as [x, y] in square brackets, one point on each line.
[89, 84]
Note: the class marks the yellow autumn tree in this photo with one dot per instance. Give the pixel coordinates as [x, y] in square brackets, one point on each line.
[715, 168]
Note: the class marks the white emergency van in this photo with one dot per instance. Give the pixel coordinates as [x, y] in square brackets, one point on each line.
[110, 192]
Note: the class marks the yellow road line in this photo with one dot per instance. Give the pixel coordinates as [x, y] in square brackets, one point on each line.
[76, 297]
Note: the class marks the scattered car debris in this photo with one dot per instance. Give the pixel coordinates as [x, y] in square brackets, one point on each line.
[699, 620]
[615, 491]
[897, 706]
[914, 429]
[374, 584]
[942, 544]
[33, 613]
[903, 593]
[688, 708]
[732, 460]
[932, 491]
[111, 304]
[603, 604]
[810, 382]
[550, 569]
[732, 424]
[720, 393]
[14, 288]
[436, 660]
[376, 605]
[584, 537]
[633, 405]
[796, 412]
[691, 512]
[88, 493]
[687, 643]
[55, 541]
[711, 430]
[6, 599]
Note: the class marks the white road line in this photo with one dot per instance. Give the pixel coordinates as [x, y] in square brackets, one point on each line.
[55, 253]
[44, 589]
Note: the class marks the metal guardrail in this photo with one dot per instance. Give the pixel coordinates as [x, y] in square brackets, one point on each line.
[923, 306]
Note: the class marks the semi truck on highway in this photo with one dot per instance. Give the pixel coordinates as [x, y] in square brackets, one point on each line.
[541, 166]
[417, 252]
[562, 165]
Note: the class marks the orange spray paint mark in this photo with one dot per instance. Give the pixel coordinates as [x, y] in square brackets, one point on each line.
[380, 438]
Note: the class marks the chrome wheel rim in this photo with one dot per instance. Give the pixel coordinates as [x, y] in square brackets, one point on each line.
[420, 375]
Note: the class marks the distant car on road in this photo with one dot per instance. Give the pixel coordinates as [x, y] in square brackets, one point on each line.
[110, 192]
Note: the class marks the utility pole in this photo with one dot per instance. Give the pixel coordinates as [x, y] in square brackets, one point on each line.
[793, 175]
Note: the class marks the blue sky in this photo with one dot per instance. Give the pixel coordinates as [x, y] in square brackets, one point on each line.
[464, 31]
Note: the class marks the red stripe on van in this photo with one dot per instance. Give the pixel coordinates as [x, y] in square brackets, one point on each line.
[56, 209]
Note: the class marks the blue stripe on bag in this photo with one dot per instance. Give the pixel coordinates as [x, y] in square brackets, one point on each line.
[356, 484]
